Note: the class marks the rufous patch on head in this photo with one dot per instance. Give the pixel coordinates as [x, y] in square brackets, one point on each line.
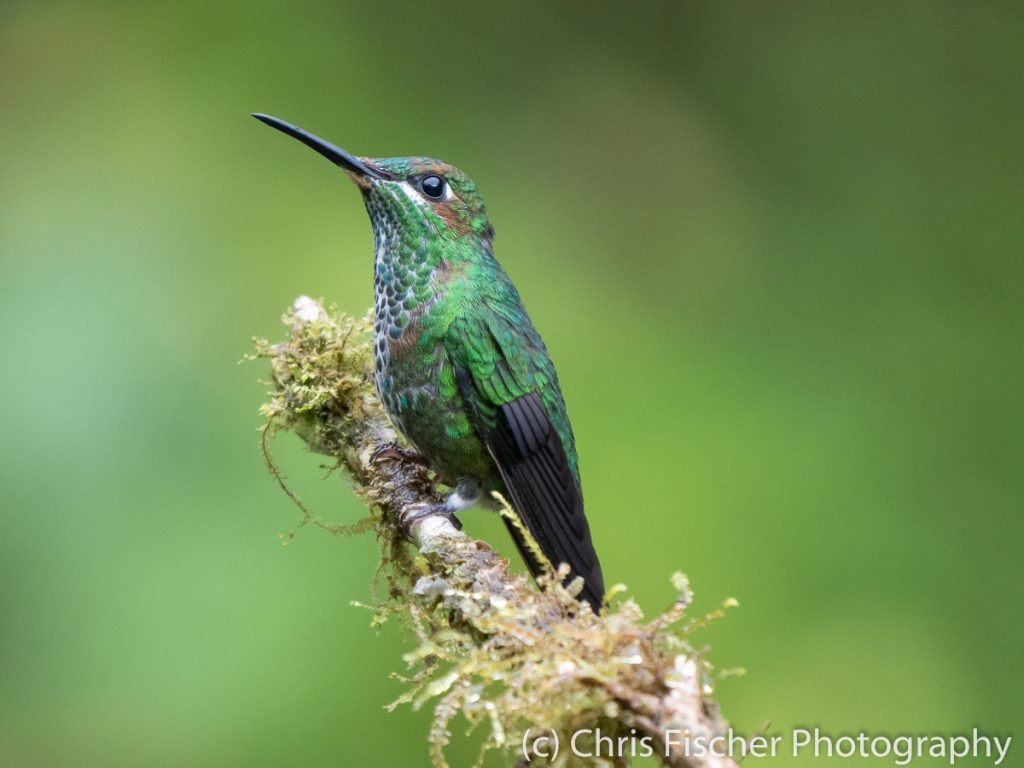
[358, 179]
[455, 220]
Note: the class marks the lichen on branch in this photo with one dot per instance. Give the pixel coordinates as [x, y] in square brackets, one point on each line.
[491, 646]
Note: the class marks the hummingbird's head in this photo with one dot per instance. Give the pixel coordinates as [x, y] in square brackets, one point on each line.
[411, 198]
[420, 192]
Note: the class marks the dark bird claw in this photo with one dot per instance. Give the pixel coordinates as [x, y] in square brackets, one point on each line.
[416, 512]
[395, 452]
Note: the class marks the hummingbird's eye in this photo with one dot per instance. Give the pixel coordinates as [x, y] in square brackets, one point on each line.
[432, 186]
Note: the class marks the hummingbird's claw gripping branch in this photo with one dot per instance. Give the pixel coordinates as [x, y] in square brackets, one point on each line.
[491, 645]
[394, 451]
[416, 514]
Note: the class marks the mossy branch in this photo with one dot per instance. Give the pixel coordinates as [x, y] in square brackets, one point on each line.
[523, 661]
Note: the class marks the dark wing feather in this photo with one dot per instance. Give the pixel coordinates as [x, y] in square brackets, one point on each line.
[544, 492]
[509, 414]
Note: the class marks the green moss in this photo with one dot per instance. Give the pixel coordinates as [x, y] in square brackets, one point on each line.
[489, 645]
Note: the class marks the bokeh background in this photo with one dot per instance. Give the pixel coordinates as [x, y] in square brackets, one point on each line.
[775, 249]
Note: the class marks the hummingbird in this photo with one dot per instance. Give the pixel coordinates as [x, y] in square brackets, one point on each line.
[458, 364]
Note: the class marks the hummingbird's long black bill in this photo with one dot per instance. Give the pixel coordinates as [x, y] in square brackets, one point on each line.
[336, 155]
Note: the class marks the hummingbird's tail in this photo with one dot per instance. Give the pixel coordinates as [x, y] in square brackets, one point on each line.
[593, 583]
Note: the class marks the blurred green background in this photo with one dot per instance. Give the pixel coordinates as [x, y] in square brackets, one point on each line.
[776, 252]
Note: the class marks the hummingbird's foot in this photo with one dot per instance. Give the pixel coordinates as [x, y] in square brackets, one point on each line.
[415, 513]
[396, 452]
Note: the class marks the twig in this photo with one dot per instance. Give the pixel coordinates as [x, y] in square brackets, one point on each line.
[526, 662]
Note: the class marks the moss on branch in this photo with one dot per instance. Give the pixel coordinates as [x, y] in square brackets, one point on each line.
[490, 645]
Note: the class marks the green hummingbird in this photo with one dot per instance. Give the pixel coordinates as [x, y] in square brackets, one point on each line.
[459, 366]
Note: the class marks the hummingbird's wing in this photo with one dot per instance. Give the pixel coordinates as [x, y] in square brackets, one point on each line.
[499, 372]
